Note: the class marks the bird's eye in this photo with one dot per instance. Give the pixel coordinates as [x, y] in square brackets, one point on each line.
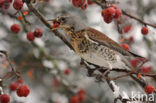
[62, 19]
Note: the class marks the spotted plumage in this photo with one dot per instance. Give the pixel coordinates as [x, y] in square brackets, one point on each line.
[94, 46]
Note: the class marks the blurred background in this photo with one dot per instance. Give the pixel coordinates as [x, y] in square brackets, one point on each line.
[53, 71]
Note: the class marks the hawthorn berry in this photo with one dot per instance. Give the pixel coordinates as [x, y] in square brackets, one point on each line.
[4, 98]
[146, 69]
[6, 4]
[125, 46]
[56, 82]
[127, 28]
[130, 39]
[67, 71]
[38, 32]
[20, 81]
[55, 25]
[15, 28]
[118, 13]
[90, 2]
[18, 4]
[23, 91]
[81, 95]
[84, 7]
[110, 11]
[134, 62]
[1, 3]
[74, 99]
[144, 30]
[30, 36]
[78, 3]
[149, 89]
[13, 86]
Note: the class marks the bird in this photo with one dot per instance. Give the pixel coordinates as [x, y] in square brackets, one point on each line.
[92, 45]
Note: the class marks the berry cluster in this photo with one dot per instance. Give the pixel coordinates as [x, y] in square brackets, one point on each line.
[21, 90]
[18, 86]
[37, 33]
[5, 4]
[79, 97]
[113, 12]
[81, 3]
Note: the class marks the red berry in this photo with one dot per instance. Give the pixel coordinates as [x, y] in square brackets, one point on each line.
[38, 32]
[127, 28]
[118, 13]
[90, 2]
[15, 28]
[20, 81]
[81, 95]
[18, 4]
[144, 30]
[56, 82]
[78, 3]
[67, 71]
[74, 99]
[108, 19]
[4, 98]
[130, 39]
[6, 4]
[125, 46]
[23, 91]
[146, 69]
[134, 62]
[149, 89]
[114, 6]
[1, 3]
[84, 7]
[30, 36]
[55, 25]
[13, 86]
[110, 11]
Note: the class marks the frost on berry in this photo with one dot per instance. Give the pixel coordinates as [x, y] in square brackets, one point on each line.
[15, 28]
[38, 32]
[111, 13]
[23, 91]
[74, 99]
[118, 13]
[144, 30]
[30, 36]
[149, 89]
[13, 86]
[125, 46]
[18, 4]
[4, 98]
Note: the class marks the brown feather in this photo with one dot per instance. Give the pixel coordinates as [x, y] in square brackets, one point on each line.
[102, 39]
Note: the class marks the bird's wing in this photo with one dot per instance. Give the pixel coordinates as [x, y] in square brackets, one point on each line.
[102, 39]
